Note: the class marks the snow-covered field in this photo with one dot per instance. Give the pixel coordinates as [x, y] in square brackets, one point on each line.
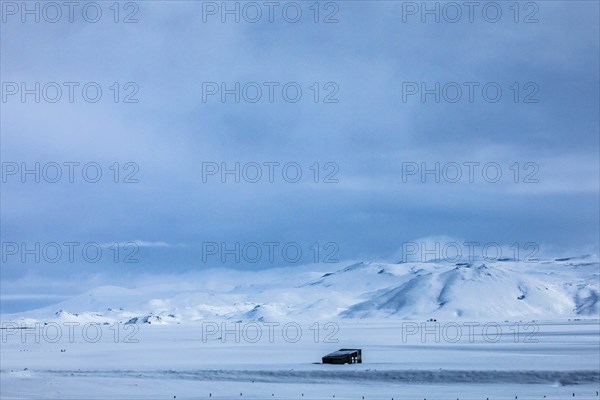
[560, 359]
[500, 330]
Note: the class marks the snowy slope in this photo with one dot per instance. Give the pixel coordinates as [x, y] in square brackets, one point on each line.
[550, 289]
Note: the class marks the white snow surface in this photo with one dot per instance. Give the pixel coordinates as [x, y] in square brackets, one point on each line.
[433, 330]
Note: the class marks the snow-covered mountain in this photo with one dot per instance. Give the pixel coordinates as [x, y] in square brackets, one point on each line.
[507, 289]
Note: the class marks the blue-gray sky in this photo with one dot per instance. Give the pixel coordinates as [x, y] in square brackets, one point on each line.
[367, 135]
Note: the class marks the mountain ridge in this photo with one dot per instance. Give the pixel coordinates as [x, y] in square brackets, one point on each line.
[480, 289]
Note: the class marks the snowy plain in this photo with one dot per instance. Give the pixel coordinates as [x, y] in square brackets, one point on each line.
[437, 330]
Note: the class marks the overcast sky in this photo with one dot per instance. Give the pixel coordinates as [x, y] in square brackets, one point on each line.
[362, 116]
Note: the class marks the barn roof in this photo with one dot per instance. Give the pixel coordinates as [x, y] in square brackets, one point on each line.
[342, 352]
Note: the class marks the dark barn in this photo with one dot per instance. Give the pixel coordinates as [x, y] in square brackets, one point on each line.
[344, 356]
